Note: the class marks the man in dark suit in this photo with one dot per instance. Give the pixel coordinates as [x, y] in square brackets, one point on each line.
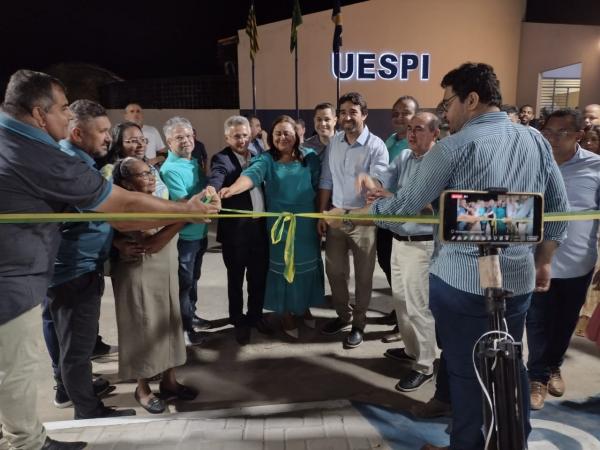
[244, 240]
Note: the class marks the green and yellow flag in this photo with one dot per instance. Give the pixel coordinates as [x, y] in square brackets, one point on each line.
[252, 32]
[296, 22]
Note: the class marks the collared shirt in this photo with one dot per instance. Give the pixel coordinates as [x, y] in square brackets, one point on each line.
[315, 143]
[84, 246]
[396, 175]
[256, 147]
[577, 255]
[184, 179]
[395, 146]
[256, 196]
[489, 151]
[344, 162]
[36, 177]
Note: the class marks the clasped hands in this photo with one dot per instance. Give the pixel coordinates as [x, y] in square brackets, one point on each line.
[365, 185]
[205, 202]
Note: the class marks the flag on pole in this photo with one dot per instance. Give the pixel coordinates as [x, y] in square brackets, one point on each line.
[336, 17]
[296, 22]
[252, 32]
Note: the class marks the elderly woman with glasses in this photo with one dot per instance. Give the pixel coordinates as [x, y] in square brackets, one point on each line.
[146, 292]
[129, 141]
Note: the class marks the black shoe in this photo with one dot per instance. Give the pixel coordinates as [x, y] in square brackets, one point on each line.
[154, 406]
[105, 411]
[62, 400]
[198, 323]
[354, 338]
[183, 393]
[413, 381]
[335, 326]
[192, 338]
[389, 319]
[51, 444]
[399, 354]
[101, 348]
[262, 326]
[392, 336]
[242, 334]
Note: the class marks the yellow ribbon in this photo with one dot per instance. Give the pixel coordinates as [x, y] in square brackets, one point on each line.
[276, 231]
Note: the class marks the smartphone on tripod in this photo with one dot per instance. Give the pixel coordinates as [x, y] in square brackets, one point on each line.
[492, 220]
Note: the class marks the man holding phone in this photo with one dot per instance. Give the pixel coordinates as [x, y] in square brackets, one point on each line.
[485, 149]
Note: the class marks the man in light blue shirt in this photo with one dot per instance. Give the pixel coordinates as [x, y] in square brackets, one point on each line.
[410, 258]
[553, 315]
[403, 111]
[184, 178]
[354, 151]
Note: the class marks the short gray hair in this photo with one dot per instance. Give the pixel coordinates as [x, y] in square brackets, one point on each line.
[176, 121]
[234, 121]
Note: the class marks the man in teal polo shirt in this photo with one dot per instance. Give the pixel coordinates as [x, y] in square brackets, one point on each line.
[184, 178]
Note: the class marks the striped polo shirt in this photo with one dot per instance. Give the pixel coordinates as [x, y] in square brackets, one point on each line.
[489, 151]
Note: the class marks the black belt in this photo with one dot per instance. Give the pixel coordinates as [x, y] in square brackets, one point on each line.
[421, 237]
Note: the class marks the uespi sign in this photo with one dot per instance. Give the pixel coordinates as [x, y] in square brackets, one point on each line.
[384, 66]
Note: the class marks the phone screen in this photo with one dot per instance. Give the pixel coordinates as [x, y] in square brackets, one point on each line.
[479, 217]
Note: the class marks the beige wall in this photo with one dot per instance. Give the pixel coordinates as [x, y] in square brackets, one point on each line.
[451, 31]
[207, 122]
[549, 46]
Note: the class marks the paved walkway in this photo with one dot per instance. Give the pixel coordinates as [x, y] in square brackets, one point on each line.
[333, 425]
[274, 393]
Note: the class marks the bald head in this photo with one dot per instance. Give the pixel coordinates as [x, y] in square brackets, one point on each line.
[591, 116]
[422, 132]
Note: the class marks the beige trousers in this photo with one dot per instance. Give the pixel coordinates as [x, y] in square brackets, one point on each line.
[20, 347]
[361, 242]
[410, 289]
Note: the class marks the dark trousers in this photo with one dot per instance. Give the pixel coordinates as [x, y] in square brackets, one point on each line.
[252, 260]
[190, 264]
[75, 310]
[50, 337]
[551, 320]
[384, 252]
[461, 318]
[442, 385]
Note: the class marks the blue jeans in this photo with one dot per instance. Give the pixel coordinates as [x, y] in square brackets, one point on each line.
[461, 318]
[190, 263]
[50, 337]
[551, 320]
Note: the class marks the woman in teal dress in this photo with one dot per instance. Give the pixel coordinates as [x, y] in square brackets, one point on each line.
[290, 183]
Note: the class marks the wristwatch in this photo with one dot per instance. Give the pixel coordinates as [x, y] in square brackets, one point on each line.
[348, 225]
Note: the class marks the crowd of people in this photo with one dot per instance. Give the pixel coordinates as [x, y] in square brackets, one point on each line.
[59, 157]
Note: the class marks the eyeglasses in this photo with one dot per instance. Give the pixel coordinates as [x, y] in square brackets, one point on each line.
[145, 175]
[560, 134]
[445, 103]
[136, 141]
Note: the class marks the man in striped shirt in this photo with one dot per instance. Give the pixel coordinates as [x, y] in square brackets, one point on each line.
[486, 149]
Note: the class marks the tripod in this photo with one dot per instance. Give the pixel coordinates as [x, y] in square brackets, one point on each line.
[498, 360]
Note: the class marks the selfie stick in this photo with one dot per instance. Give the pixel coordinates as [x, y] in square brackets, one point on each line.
[498, 360]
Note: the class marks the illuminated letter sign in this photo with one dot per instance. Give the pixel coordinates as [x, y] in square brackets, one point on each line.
[386, 66]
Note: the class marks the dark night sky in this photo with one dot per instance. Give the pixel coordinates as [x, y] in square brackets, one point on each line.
[136, 39]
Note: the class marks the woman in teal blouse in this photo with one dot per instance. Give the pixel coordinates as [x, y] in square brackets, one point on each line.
[290, 184]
